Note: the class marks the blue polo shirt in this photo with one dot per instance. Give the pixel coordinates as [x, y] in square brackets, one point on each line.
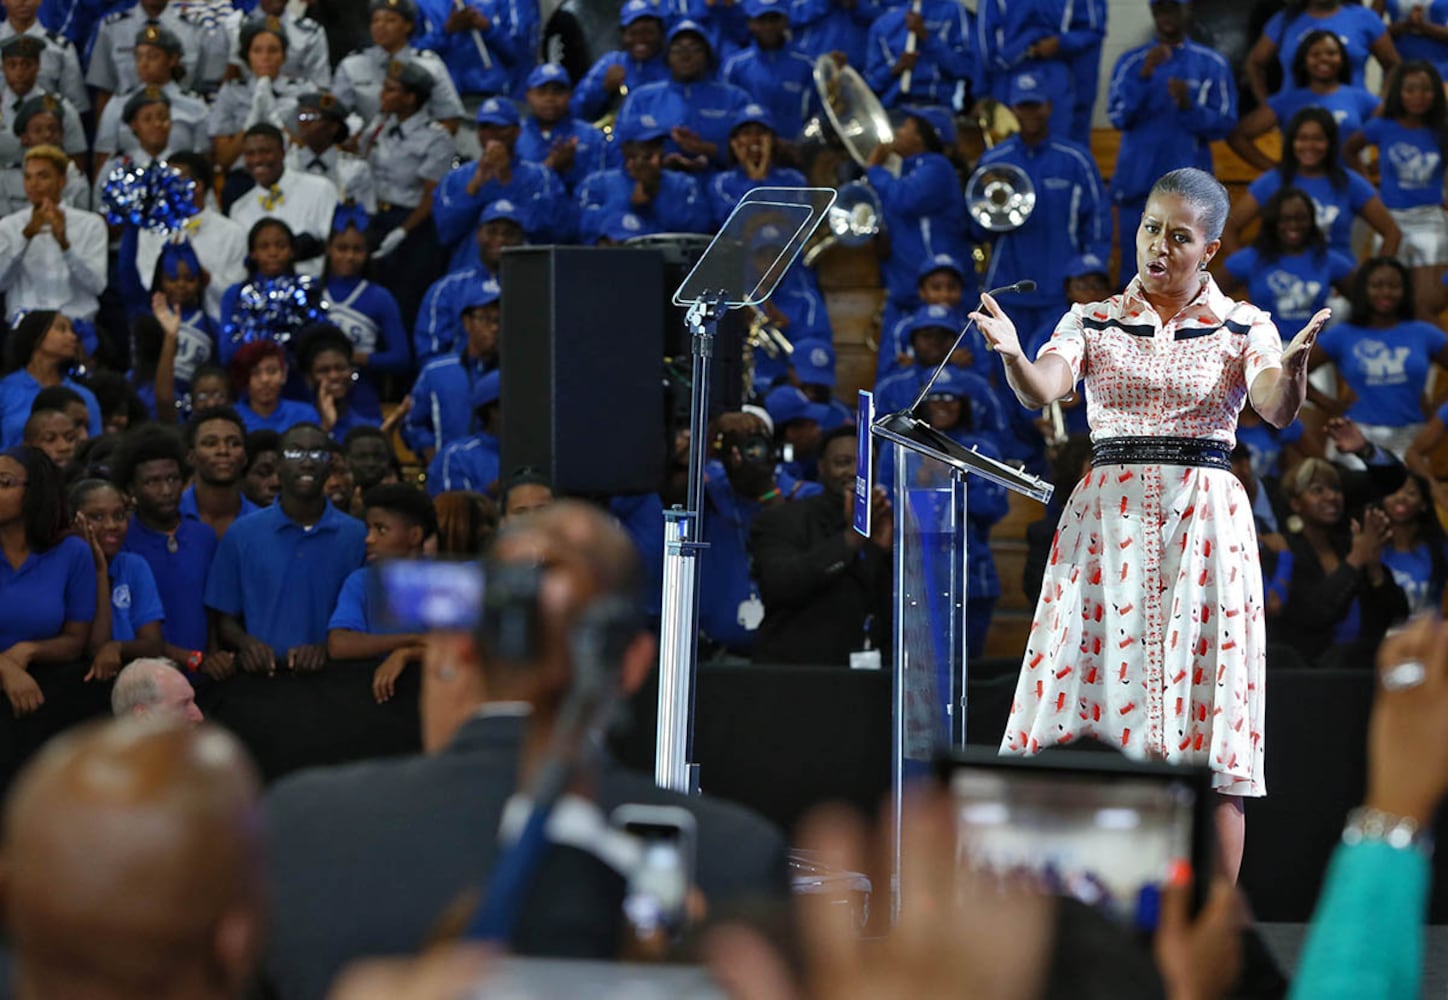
[358, 607]
[134, 598]
[49, 589]
[17, 393]
[281, 579]
[180, 576]
[287, 413]
[189, 509]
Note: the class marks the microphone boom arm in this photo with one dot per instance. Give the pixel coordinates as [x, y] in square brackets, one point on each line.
[1024, 285]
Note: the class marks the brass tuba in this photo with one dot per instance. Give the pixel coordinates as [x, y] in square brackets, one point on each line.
[855, 118]
[855, 115]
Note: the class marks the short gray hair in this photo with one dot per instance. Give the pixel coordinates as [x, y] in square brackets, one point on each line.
[136, 685]
[1202, 190]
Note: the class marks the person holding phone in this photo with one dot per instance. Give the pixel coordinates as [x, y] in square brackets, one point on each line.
[1149, 633]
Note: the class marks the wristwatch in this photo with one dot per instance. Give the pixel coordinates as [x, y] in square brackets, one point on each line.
[193, 660]
[1399, 832]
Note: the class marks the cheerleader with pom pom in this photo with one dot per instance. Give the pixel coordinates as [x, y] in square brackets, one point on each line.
[366, 312]
[274, 303]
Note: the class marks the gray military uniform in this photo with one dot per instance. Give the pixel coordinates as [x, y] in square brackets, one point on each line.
[72, 131]
[189, 117]
[403, 155]
[358, 82]
[59, 64]
[113, 64]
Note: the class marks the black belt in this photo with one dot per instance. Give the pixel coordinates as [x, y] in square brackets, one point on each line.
[1161, 451]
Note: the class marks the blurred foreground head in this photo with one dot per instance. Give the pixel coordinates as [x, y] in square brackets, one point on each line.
[131, 865]
[582, 555]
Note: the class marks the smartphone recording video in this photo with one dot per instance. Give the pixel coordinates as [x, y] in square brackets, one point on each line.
[420, 595]
[1095, 827]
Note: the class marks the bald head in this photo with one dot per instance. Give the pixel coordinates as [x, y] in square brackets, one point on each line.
[153, 688]
[131, 862]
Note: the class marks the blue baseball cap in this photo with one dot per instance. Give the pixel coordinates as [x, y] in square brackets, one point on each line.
[622, 226]
[1084, 264]
[941, 120]
[930, 317]
[753, 114]
[814, 362]
[546, 73]
[635, 9]
[759, 8]
[940, 262]
[950, 385]
[484, 293]
[486, 389]
[696, 28]
[497, 111]
[788, 403]
[640, 128]
[501, 209]
[1027, 88]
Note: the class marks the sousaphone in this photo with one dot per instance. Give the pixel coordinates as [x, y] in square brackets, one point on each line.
[854, 119]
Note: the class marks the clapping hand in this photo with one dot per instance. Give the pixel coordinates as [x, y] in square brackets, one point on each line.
[560, 157]
[1368, 538]
[1297, 353]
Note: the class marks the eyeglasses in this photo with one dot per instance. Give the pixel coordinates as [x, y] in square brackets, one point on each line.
[320, 456]
[309, 116]
[11, 483]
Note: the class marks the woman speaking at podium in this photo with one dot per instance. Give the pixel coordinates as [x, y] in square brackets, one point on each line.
[1149, 633]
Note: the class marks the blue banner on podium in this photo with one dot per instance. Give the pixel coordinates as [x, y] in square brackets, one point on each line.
[864, 461]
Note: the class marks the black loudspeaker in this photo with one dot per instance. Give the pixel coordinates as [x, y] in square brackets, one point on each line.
[582, 352]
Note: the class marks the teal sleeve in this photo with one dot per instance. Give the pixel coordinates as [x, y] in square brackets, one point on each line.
[1366, 937]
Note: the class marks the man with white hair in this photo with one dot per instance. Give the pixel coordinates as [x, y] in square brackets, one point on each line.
[152, 687]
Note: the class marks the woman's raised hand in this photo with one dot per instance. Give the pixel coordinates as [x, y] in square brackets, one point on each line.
[1297, 353]
[997, 328]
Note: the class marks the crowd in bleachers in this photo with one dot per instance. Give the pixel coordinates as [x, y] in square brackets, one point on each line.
[328, 312]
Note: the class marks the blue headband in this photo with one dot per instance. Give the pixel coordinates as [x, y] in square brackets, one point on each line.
[349, 214]
[176, 253]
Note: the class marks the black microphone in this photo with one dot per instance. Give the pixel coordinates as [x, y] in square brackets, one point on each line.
[1024, 285]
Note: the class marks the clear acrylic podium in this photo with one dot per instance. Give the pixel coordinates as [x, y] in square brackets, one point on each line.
[930, 492]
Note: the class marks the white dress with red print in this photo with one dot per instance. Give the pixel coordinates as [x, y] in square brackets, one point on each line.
[1149, 634]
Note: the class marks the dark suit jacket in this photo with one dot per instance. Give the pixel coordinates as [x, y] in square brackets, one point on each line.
[817, 594]
[366, 857]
